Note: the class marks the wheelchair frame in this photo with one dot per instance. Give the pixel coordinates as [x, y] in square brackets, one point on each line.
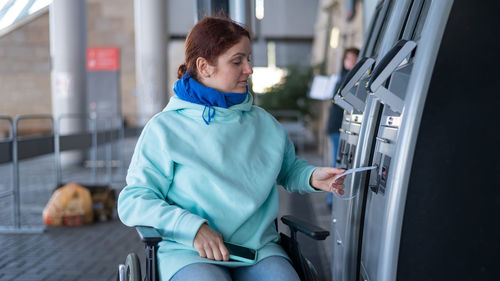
[151, 237]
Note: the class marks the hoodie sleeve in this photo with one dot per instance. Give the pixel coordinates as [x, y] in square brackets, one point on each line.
[295, 172]
[144, 200]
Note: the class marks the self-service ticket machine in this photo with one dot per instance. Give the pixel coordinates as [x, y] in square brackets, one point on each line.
[385, 146]
[355, 145]
[429, 212]
[388, 83]
[343, 207]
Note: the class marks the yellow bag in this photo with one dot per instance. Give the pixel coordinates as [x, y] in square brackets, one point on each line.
[70, 205]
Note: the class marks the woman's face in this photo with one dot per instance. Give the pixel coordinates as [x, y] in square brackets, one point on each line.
[230, 74]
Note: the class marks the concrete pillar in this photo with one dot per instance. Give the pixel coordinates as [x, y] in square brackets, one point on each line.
[205, 8]
[240, 12]
[151, 57]
[68, 44]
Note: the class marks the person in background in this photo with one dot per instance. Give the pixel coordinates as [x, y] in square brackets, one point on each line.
[206, 169]
[336, 113]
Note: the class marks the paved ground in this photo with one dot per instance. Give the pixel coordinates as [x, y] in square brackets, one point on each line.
[81, 253]
[93, 252]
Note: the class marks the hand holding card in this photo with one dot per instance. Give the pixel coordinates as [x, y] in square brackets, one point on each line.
[351, 191]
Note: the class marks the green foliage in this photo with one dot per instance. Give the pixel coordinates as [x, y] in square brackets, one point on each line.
[290, 93]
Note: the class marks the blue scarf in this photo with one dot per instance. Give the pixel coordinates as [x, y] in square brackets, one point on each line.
[188, 89]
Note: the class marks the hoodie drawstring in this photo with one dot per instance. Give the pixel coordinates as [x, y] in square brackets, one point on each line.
[211, 113]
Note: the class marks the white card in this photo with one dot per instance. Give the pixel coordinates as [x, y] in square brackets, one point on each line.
[348, 193]
[355, 170]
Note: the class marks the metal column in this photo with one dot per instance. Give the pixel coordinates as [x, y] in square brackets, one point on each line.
[205, 8]
[150, 57]
[240, 12]
[68, 44]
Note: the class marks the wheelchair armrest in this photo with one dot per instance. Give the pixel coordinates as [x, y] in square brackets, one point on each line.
[148, 234]
[313, 231]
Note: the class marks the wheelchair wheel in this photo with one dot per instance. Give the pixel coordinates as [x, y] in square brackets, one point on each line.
[311, 272]
[132, 268]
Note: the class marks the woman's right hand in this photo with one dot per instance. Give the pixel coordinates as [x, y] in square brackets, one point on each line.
[209, 244]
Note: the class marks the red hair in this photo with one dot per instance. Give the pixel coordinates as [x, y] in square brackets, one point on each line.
[210, 38]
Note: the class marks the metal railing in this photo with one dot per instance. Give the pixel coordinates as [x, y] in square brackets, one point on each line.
[110, 129]
[81, 136]
[7, 142]
[16, 196]
[16, 147]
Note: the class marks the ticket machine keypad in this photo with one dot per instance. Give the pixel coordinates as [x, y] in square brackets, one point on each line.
[384, 171]
[343, 154]
[350, 157]
[339, 152]
[378, 177]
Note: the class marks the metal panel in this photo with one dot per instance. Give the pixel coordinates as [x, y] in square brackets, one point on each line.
[424, 59]
[383, 216]
[75, 141]
[451, 193]
[338, 258]
[103, 92]
[31, 147]
[5, 151]
[6, 142]
[363, 142]
[37, 146]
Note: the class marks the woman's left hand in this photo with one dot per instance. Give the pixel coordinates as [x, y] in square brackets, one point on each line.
[322, 178]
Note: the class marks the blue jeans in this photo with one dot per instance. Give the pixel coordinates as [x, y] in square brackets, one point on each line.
[334, 138]
[273, 268]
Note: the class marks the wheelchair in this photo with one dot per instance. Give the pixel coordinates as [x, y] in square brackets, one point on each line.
[131, 270]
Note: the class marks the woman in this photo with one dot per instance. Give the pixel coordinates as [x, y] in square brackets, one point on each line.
[205, 169]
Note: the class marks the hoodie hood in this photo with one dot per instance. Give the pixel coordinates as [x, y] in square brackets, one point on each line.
[195, 110]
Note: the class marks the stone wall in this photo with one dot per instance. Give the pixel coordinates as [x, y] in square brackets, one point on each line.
[25, 70]
[25, 60]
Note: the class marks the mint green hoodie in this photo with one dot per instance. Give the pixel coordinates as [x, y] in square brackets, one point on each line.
[184, 173]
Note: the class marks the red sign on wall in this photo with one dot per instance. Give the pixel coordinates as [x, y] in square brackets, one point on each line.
[103, 58]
